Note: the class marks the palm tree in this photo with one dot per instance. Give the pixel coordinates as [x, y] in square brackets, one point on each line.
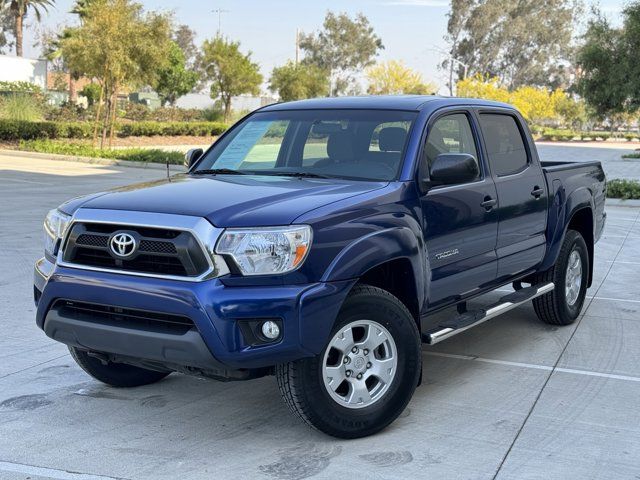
[19, 9]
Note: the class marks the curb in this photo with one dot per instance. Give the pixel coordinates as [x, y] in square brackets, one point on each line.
[91, 160]
[618, 202]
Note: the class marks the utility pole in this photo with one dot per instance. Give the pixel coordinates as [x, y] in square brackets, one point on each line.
[297, 45]
[219, 11]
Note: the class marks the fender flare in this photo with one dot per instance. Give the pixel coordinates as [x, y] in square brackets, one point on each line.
[562, 211]
[380, 247]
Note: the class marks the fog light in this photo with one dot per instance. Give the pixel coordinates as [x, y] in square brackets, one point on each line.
[270, 330]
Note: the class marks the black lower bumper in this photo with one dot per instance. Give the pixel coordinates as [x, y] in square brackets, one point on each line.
[185, 352]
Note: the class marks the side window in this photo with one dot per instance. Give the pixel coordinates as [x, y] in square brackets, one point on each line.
[450, 134]
[504, 142]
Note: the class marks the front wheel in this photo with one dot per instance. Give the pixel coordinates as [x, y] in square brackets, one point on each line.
[570, 274]
[367, 372]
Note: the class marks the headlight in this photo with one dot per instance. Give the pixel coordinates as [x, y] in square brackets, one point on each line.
[55, 225]
[264, 251]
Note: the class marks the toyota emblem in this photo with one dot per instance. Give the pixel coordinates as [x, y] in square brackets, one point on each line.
[123, 244]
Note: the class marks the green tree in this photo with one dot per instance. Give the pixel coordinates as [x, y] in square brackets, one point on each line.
[342, 48]
[230, 71]
[185, 38]
[19, 10]
[91, 92]
[603, 60]
[523, 42]
[295, 82]
[394, 78]
[118, 45]
[174, 80]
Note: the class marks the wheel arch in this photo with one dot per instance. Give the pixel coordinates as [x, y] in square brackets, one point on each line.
[577, 213]
[391, 259]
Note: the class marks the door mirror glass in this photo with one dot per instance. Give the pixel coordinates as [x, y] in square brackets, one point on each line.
[453, 168]
[192, 157]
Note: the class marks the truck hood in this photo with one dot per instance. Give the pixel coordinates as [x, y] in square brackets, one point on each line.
[230, 201]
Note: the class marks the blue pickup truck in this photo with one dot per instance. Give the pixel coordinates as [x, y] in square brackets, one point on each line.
[314, 241]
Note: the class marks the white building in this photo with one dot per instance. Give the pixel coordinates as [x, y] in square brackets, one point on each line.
[17, 69]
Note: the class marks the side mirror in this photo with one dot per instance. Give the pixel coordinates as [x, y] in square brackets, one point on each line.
[451, 168]
[192, 157]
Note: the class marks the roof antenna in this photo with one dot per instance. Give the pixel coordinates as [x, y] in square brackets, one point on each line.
[168, 175]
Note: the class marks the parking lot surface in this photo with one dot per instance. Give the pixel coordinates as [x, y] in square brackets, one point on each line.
[511, 399]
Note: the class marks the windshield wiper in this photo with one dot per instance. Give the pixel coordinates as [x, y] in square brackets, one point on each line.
[295, 174]
[216, 171]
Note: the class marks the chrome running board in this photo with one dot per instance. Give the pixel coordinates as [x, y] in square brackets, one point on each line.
[470, 319]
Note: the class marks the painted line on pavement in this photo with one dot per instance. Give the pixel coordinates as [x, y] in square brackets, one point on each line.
[534, 366]
[49, 472]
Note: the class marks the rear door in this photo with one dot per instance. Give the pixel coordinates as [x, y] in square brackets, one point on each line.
[460, 220]
[521, 187]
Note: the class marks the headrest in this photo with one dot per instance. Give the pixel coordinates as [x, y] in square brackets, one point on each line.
[340, 146]
[391, 139]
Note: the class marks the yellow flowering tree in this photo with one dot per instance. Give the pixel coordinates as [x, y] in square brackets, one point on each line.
[394, 78]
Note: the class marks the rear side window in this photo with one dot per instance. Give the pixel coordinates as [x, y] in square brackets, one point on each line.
[504, 142]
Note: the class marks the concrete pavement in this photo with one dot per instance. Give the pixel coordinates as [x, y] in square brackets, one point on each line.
[511, 399]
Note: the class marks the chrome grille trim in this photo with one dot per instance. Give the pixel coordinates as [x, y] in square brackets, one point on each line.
[205, 234]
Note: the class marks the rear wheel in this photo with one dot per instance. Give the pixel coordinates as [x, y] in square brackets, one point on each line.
[562, 306]
[366, 374]
[115, 374]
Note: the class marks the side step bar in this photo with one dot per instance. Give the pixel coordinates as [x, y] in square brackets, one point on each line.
[470, 319]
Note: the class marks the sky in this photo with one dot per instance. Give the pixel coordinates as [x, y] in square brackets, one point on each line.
[411, 30]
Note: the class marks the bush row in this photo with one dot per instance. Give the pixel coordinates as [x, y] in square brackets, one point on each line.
[148, 129]
[131, 154]
[625, 189]
[25, 130]
[569, 135]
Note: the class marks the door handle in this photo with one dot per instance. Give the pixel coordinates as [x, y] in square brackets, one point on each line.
[537, 191]
[489, 203]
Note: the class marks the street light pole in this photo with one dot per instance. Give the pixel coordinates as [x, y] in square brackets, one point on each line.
[219, 11]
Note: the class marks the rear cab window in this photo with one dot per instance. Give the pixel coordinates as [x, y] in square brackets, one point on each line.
[505, 144]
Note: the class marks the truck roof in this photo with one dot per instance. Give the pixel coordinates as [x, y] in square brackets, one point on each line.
[382, 102]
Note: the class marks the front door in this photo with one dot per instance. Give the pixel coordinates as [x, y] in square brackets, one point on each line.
[460, 220]
[522, 193]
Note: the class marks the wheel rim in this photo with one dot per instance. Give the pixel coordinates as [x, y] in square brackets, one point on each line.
[359, 364]
[573, 278]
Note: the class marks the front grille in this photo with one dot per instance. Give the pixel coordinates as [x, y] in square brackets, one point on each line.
[160, 251]
[124, 317]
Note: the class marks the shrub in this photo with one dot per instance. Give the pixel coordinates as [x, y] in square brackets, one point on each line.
[135, 111]
[19, 87]
[631, 155]
[82, 150]
[21, 106]
[91, 92]
[148, 129]
[22, 130]
[18, 129]
[625, 189]
[213, 114]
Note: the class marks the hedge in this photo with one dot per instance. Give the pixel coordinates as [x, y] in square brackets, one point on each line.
[131, 154]
[148, 129]
[24, 130]
[625, 189]
[562, 135]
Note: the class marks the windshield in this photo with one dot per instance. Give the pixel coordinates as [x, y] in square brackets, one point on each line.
[353, 144]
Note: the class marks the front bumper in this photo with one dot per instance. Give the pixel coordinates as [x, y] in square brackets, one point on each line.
[307, 313]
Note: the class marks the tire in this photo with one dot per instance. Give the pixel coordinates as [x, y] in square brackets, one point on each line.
[115, 374]
[558, 307]
[344, 413]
